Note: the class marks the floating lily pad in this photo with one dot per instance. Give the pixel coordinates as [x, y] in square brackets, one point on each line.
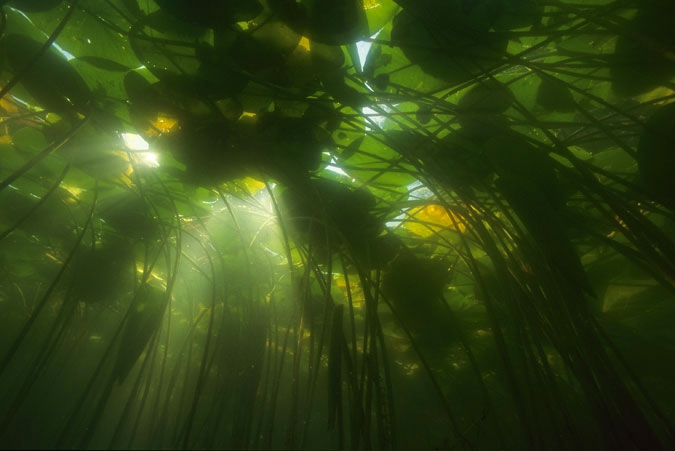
[554, 95]
[62, 91]
[656, 155]
[451, 51]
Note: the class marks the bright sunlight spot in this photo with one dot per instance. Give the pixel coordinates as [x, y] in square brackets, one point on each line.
[416, 191]
[363, 47]
[149, 159]
[136, 143]
[333, 167]
[304, 43]
[374, 117]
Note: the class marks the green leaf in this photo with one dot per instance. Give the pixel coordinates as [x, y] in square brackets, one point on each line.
[103, 274]
[63, 90]
[30, 139]
[336, 22]
[552, 94]
[656, 155]
[515, 14]
[352, 148]
[489, 97]
[89, 39]
[513, 157]
[379, 14]
[128, 214]
[454, 54]
[212, 14]
[104, 63]
[171, 50]
[640, 62]
[414, 287]
[35, 5]
[543, 222]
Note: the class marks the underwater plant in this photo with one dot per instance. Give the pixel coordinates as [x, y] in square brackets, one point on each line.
[337, 224]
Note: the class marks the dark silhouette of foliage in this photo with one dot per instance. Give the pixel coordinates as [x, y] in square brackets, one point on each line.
[352, 224]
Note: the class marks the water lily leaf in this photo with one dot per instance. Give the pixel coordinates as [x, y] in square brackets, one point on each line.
[460, 160]
[277, 34]
[434, 218]
[128, 214]
[102, 274]
[168, 105]
[35, 5]
[254, 55]
[517, 14]
[641, 60]
[512, 156]
[336, 22]
[352, 148]
[332, 22]
[554, 95]
[324, 211]
[379, 13]
[137, 86]
[414, 286]
[544, 223]
[453, 53]
[165, 45]
[212, 14]
[104, 63]
[489, 97]
[132, 7]
[326, 58]
[86, 37]
[289, 147]
[63, 90]
[656, 155]
[30, 139]
[375, 60]
[424, 115]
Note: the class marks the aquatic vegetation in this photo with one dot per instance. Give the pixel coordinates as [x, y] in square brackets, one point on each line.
[318, 224]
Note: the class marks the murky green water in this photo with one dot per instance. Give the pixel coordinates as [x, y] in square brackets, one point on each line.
[367, 224]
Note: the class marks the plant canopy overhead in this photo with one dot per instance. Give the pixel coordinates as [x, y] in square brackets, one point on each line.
[349, 224]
